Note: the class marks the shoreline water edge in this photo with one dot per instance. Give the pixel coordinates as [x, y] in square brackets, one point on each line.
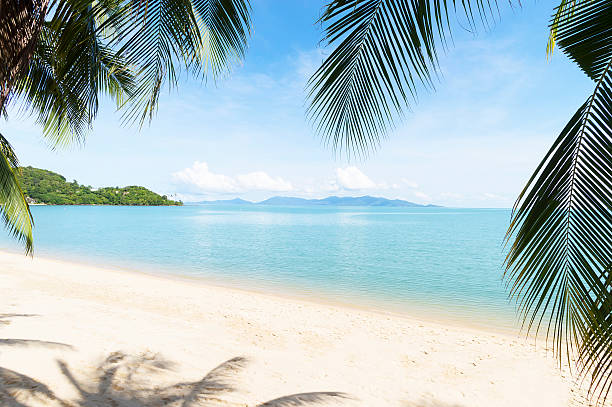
[68, 322]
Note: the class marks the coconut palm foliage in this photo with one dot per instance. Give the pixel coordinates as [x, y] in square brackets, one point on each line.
[385, 50]
[560, 260]
[561, 228]
[60, 57]
[15, 211]
[596, 349]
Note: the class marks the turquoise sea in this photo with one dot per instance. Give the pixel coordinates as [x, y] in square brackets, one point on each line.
[440, 263]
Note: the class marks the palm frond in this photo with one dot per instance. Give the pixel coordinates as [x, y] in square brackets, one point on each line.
[224, 28]
[163, 38]
[565, 9]
[582, 30]
[69, 71]
[595, 355]
[6, 149]
[385, 50]
[14, 209]
[562, 226]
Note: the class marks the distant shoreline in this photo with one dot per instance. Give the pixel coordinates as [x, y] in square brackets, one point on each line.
[46, 204]
[416, 310]
[49, 188]
[348, 201]
[284, 292]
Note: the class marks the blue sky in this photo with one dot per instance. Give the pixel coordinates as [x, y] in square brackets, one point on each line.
[472, 143]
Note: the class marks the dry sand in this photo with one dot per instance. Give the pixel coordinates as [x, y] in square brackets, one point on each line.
[78, 335]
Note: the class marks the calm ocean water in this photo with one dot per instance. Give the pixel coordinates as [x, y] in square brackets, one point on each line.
[436, 262]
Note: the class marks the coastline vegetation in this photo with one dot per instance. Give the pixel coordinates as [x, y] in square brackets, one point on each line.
[49, 188]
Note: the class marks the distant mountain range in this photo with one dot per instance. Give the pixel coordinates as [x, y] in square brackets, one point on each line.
[329, 201]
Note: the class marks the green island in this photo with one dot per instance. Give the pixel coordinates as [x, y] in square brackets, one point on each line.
[49, 188]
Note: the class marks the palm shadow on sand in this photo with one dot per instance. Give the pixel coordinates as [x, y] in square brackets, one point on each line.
[32, 342]
[431, 403]
[122, 381]
[18, 390]
[5, 319]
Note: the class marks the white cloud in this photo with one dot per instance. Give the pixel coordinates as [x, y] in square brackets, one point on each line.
[409, 183]
[199, 179]
[204, 180]
[451, 195]
[384, 185]
[489, 195]
[422, 195]
[261, 181]
[352, 178]
[330, 186]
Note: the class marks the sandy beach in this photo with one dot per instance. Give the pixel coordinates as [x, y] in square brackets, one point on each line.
[78, 335]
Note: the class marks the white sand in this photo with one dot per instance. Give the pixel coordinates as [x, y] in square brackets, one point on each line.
[86, 336]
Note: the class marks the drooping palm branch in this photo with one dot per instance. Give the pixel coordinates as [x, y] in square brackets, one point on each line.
[582, 30]
[128, 50]
[384, 51]
[595, 355]
[558, 263]
[15, 211]
[63, 92]
[562, 224]
[162, 38]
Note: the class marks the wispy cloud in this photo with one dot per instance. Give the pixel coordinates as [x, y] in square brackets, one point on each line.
[261, 181]
[410, 183]
[422, 195]
[202, 179]
[351, 178]
[489, 195]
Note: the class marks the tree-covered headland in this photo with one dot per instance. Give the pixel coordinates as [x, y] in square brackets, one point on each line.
[47, 187]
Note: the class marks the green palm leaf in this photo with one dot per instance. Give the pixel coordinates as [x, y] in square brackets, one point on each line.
[162, 38]
[559, 263]
[128, 50]
[596, 350]
[70, 69]
[385, 50]
[224, 29]
[562, 225]
[13, 206]
[582, 30]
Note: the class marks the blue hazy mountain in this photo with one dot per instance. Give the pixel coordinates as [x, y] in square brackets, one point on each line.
[235, 201]
[329, 201]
